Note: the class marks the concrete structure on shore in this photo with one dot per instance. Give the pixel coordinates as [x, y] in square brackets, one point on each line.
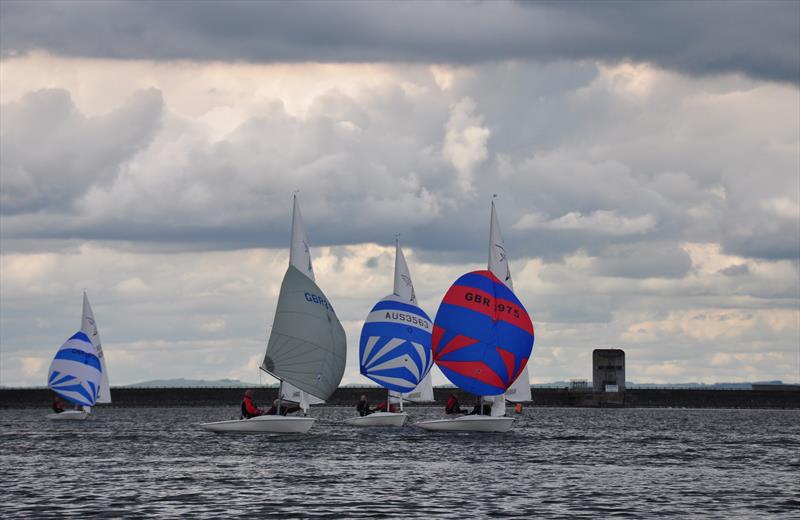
[608, 370]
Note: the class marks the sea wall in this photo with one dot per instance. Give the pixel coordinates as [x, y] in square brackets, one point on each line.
[637, 398]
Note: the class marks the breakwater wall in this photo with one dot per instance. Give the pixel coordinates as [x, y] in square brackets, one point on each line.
[347, 396]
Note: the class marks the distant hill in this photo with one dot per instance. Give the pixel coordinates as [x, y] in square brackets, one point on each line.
[194, 383]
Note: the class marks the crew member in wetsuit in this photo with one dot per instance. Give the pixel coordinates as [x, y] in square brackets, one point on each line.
[363, 406]
[453, 406]
[57, 406]
[249, 409]
[284, 408]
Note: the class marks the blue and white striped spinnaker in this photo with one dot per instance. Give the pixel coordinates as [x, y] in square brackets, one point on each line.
[76, 372]
[395, 346]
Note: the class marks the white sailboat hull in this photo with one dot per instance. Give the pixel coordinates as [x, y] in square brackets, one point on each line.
[69, 415]
[262, 424]
[379, 419]
[469, 423]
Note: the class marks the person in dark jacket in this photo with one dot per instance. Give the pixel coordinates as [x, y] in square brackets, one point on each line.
[453, 406]
[57, 406]
[249, 409]
[363, 406]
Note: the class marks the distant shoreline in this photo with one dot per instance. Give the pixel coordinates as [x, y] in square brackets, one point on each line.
[776, 398]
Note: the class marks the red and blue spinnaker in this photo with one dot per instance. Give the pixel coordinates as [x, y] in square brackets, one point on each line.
[482, 334]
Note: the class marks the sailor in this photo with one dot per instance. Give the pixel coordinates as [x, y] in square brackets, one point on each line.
[453, 406]
[382, 407]
[518, 408]
[363, 406]
[57, 406]
[249, 409]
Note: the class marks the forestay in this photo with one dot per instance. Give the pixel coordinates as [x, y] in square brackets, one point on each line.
[307, 346]
[482, 336]
[76, 372]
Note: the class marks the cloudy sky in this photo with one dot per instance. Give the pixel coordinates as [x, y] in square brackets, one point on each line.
[646, 159]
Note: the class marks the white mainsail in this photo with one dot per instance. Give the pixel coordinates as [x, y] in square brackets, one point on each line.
[89, 326]
[403, 286]
[299, 253]
[423, 393]
[307, 346]
[520, 390]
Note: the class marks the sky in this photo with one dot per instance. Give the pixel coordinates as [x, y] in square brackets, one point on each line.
[645, 158]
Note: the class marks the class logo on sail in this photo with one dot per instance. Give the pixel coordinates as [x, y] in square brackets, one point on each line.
[482, 335]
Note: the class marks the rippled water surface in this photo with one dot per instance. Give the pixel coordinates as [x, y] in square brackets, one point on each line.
[140, 462]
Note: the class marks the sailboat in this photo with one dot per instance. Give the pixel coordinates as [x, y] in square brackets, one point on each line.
[482, 340]
[395, 346]
[73, 375]
[307, 346]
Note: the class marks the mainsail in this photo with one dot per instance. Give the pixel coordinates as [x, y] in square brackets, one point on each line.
[395, 346]
[520, 389]
[307, 346]
[76, 372]
[482, 335]
[423, 393]
[89, 326]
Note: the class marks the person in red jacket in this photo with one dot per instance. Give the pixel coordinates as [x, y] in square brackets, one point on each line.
[453, 406]
[382, 407]
[249, 409]
[57, 406]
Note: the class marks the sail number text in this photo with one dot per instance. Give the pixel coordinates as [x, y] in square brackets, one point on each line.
[500, 308]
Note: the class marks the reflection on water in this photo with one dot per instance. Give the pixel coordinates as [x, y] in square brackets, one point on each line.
[555, 463]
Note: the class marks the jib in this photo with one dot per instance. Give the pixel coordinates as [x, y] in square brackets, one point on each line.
[477, 298]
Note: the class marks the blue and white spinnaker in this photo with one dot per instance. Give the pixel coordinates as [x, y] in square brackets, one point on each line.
[395, 346]
[76, 372]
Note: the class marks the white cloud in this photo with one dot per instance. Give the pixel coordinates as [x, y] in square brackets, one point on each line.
[465, 141]
[601, 221]
[643, 201]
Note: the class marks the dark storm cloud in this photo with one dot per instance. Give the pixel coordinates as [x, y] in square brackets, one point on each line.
[759, 39]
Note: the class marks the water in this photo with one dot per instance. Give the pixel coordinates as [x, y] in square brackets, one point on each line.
[576, 463]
